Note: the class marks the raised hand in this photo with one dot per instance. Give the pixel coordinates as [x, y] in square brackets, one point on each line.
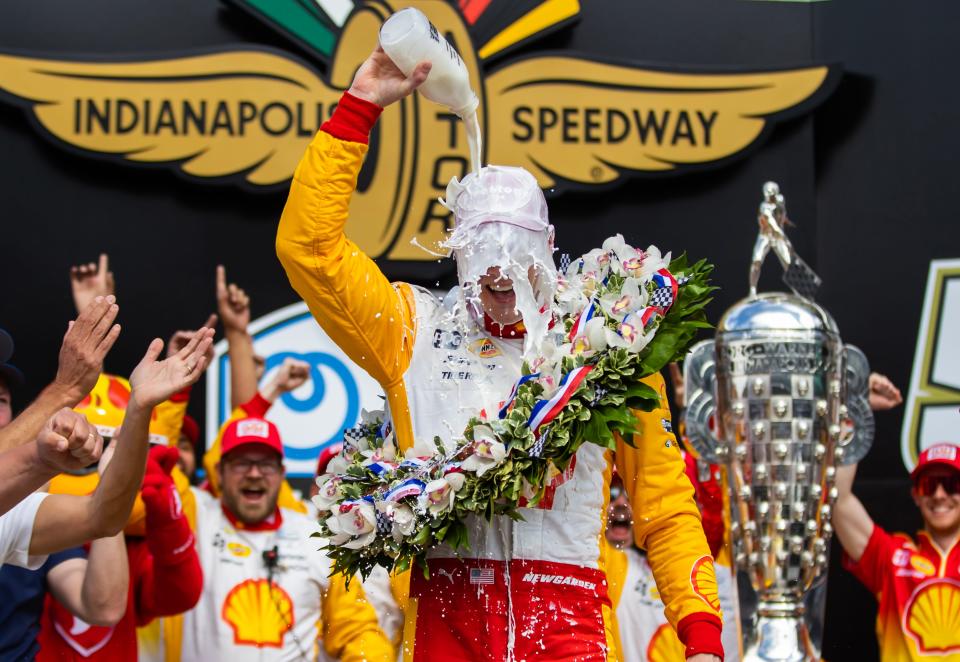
[85, 344]
[158, 490]
[68, 442]
[180, 339]
[379, 81]
[291, 375]
[233, 304]
[88, 281]
[883, 393]
[154, 381]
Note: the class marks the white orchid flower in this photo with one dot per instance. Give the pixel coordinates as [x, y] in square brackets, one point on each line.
[634, 334]
[572, 299]
[403, 521]
[329, 494]
[353, 525]
[488, 452]
[653, 262]
[438, 495]
[631, 297]
[387, 452]
[338, 464]
[620, 251]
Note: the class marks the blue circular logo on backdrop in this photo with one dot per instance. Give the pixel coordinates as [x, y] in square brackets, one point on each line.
[312, 401]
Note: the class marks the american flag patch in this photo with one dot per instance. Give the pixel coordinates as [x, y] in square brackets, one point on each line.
[481, 575]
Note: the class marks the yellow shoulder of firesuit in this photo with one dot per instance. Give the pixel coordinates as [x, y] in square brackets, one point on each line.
[375, 325]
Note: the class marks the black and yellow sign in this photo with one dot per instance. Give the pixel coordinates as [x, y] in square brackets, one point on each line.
[931, 413]
[246, 115]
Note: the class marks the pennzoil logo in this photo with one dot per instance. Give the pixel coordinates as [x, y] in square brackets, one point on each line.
[932, 413]
[246, 115]
[484, 348]
[238, 549]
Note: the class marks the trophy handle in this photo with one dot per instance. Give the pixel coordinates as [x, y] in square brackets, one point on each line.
[856, 414]
[699, 379]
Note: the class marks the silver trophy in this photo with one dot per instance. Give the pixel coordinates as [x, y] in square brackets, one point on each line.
[779, 400]
[773, 222]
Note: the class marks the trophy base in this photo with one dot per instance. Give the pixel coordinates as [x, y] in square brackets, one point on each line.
[782, 636]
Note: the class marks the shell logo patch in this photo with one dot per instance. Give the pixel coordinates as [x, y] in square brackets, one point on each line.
[484, 348]
[239, 549]
[664, 646]
[703, 579]
[256, 617]
[932, 617]
[922, 565]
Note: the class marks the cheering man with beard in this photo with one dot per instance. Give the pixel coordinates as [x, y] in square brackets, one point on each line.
[266, 590]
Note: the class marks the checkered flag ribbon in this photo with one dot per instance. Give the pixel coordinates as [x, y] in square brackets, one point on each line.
[564, 262]
[352, 436]
[384, 525]
[537, 449]
[662, 297]
[802, 279]
[597, 396]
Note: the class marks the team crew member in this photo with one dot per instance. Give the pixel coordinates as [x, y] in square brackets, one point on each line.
[916, 581]
[439, 368]
[164, 577]
[644, 633]
[266, 586]
[94, 588]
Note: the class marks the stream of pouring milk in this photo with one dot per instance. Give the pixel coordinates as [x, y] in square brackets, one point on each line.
[474, 139]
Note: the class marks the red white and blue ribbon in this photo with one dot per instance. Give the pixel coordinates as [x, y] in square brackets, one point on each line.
[505, 409]
[664, 280]
[382, 467]
[409, 487]
[452, 468]
[645, 315]
[547, 410]
[580, 326]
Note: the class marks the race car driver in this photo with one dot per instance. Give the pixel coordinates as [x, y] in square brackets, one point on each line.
[529, 589]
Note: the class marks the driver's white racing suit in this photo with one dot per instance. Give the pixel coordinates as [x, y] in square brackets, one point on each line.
[525, 590]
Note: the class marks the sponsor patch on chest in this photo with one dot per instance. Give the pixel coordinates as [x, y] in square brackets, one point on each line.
[484, 348]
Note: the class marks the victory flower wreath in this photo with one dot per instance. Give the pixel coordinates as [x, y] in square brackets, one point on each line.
[625, 312]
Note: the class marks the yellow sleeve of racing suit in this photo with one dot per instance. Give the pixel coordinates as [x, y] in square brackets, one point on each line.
[616, 573]
[366, 316]
[616, 568]
[351, 632]
[667, 521]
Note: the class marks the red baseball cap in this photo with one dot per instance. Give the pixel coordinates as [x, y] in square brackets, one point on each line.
[190, 429]
[249, 431]
[946, 455]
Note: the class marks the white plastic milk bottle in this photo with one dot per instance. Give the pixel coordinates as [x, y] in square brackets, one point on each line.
[409, 38]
